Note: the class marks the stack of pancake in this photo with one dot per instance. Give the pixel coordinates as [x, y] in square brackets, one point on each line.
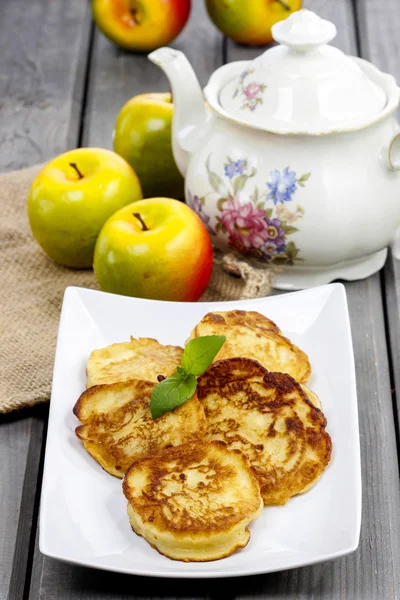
[252, 435]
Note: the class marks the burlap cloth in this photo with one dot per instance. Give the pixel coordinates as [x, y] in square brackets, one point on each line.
[32, 288]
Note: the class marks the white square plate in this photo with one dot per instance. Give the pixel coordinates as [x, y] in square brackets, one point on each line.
[83, 516]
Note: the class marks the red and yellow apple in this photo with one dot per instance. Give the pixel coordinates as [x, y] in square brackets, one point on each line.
[142, 136]
[156, 248]
[141, 25]
[250, 22]
[72, 198]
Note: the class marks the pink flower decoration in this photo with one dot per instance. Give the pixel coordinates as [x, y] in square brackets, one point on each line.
[252, 90]
[245, 224]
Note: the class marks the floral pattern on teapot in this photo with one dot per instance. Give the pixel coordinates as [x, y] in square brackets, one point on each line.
[251, 92]
[252, 227]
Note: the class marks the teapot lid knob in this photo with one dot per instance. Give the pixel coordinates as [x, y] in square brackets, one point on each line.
[303, 31]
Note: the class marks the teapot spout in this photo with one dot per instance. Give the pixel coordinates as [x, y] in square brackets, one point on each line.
[189, 108]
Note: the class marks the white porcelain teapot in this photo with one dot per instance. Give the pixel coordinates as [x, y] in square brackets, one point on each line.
[293, 159]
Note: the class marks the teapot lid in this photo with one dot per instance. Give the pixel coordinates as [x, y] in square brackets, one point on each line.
[303, 85]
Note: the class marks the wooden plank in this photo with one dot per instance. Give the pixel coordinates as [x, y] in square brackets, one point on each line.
[42, 64]
[378, 26]
[20, 441]
[391, 293]
[116, 75]
[380, 43]
[43, 48]
[20, 535]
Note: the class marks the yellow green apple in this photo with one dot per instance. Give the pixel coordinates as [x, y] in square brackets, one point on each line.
[156, 248]
[142, 136]
[250, 22]
[141, 25]
[72, 198]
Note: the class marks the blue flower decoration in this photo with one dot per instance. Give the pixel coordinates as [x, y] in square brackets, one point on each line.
[230, 170]
[235, 168]
[240, 166]
[195, 204]
[281, 186]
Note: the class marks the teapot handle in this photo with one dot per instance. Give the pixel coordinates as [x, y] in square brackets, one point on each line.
[393, 159]
[394, 153]
[395, 244]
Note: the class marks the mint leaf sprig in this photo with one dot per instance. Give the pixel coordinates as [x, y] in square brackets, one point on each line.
[181, 385]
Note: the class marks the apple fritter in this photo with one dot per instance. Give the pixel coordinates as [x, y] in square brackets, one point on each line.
[118, 427]
[269, 418]
[142, 358]
[251, 335]
[193, 502]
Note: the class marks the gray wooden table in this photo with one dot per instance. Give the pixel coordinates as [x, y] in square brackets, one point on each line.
[61, 86]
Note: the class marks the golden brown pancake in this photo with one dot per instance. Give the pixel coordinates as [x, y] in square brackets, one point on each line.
[251, 335]
[269, 418]
[312, 396]
[118, 427]
[193, 502]
[142, 358]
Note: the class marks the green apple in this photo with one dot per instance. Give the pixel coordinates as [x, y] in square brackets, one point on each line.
[143, 137]
[72, 198]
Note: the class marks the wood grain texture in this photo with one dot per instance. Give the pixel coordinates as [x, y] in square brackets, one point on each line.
[380, 43]
[373, 571]
[391, 278]
[14, 442]
[43, 49]
[378, 26]
[20, 451]
[29, 505]
[117, 75]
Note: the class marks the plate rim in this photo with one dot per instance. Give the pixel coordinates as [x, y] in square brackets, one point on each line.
[201, 574]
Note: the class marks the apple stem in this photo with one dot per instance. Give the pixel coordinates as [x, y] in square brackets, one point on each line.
[143, 224]
[284, 4]
[75, 166]
[134, 14]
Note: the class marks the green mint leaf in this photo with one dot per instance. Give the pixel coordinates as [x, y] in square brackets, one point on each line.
[200, 352]
[181, 385]
[172, 392]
